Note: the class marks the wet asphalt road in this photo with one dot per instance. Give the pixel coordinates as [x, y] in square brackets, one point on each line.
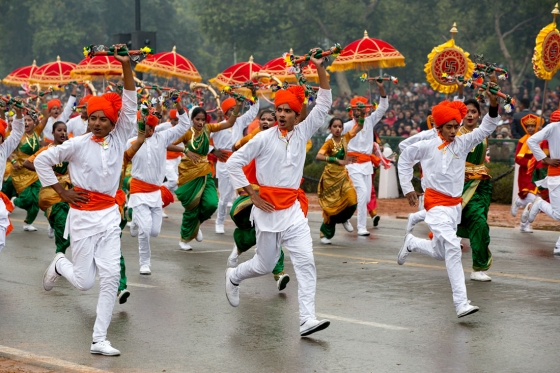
[384, 317]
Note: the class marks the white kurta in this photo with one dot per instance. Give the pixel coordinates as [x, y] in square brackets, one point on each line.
[77, 126]
[63, 117]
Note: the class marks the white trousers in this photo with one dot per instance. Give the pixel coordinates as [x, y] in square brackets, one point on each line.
[552, 209]
[172, 173]
[521, 203]
[4, 224]
[297, 240]
[226, 196]
[362, 184]
[148, 219]
[446, 246]
[101, 254]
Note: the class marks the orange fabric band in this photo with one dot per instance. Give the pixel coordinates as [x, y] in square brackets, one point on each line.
[173, 155]
[228, 154]
[283, 198]
[166, 196]
[360, 157]
[553, 171]
[433, 198]
[251, 172]
[139, 186]
[10, 208]
[97, 201]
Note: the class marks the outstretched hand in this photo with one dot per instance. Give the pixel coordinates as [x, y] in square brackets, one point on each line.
[121, 59]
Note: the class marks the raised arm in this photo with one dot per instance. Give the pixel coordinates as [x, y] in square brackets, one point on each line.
[489, 123]
[233, 117]
[11, 142]
[424, 135]
[535, 140]
[69, 108]
[173, 134]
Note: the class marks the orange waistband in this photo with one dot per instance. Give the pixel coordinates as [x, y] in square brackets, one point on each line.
[553, 171]
[283, 198]
[139, 186]
[228, 154]
[251, 172]
[360, 157]
[97, 201]
[10, 208]
[173, 155]
[433, 198]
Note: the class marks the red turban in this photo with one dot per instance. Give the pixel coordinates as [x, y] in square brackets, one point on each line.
[555, 116]
[447, 111]
[151, 120]
[173, 114]
[227, 104]
[84, 100]
[293, 96]
[3, 127]
[110, 103]
[357, 99]
[52, 103]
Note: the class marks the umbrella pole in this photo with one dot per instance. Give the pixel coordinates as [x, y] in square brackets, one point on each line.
[104, 83]
[543, 99]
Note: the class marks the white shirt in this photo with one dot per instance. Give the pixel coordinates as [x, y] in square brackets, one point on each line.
[148, 164]
[92, 168]
[552, 134]
[424, 135]
[63, 117]
[163, 126]
[279, 163]
[10, 144]
[363, 141]
[444, 170]
[77, 126]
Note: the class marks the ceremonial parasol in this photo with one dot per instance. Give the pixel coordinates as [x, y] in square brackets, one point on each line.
[20, 75]
[367, 53]
[236, 74]
[97, 67]
[170, 65]
[277, 68]
[447, 59]
[53, 73]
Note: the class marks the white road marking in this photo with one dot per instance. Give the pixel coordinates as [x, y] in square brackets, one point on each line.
[140, 285]
[28, 357]
[361, 322]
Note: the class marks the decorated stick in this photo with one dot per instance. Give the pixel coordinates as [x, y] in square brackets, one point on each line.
[489, 69]
[318, 53]
[386, 78]
[33, 96]
[361, 105]
[194, 86]
[482, 86]
[101, 50]
[239, 97]
[19, 103]
[260, 75]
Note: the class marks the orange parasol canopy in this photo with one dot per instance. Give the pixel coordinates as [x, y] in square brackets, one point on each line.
[20, 75]
[367, 53]
[53, 73]
[97, 66]
[170, 65]
[236, 74]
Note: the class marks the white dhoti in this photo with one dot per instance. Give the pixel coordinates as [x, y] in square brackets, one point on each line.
[362, 184]
[147, 216]
[4, 224]
[297, 240]
[225, 190]
[445, 245]
[172, 173]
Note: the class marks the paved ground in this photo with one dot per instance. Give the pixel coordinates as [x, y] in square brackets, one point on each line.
[385, 318]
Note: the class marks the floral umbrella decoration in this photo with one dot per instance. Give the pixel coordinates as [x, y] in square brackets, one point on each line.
[546, 58]
[53, 73]
[97, 67]
[20, 75]
[237, 74]
[170, 65]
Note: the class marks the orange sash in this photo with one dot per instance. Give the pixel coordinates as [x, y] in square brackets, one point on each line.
[553, 171]
[97, 201]
[173, 155]
[283, 198]
[10, 208]
[228, 154]
[433, 198]
[166, 196]
[251, 172]
[360, 157]
[139, 186]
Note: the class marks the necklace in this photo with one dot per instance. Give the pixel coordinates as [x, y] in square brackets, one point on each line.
[33, 142]
[197, 135]
[337, 146]
[284, 136]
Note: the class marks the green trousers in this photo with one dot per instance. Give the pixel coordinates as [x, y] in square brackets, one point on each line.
[245, 235]
[57, 220]
[29, 201]
[203, 190]
[328, 230]
[8, 188]
[474, 226]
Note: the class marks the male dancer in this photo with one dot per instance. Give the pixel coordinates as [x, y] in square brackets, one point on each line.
[223, 142]
[443, 164]
[148, 171]
[277, 213]
[51, 113]
[95, 162]
[552, 181]
[172, 158]
[78, 125]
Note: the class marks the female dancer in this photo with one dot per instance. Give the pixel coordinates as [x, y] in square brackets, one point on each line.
[336, 192]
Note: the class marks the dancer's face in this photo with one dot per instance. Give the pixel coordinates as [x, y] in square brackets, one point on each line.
[286, 117]
[531, 129]
[266, 121]
[199, 121]
[471, 119]
[29, 124]
[336, 128]
[59, 133]
[149, 131]
[449, 130]
[99, 124]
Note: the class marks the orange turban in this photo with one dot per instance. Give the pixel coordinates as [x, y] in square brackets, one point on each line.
[446, 111]
[3, 127]
[110, 103]
[227, 104]
[52, 103]
[357, 99]
[173, 114]
[84, 100]
[555, 116]
[293, 96]
[151, 120]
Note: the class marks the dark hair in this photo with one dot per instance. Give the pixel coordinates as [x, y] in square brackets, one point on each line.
[266, 111]
[473, 102]
[334, 119]
[525, 102]
[55, 124]
[197, 110]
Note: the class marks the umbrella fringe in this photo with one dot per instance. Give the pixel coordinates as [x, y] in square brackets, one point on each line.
[385, 64]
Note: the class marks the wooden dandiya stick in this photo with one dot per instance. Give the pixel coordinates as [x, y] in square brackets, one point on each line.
[386, 78]
[101, 50]
[319, 53]
[238, 96]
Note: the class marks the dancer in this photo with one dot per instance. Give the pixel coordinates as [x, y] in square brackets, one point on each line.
[523, 154]
[336, 192]
[146, 184]
[361, 147]
[52, 113]
[278, 216]
[7, 146]
[223, 142]
[443, 163]
[197, 191]
[551, 133]
[78, 125]
[26, 182]
[244, 234]
[172, 158]
[95, 162]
